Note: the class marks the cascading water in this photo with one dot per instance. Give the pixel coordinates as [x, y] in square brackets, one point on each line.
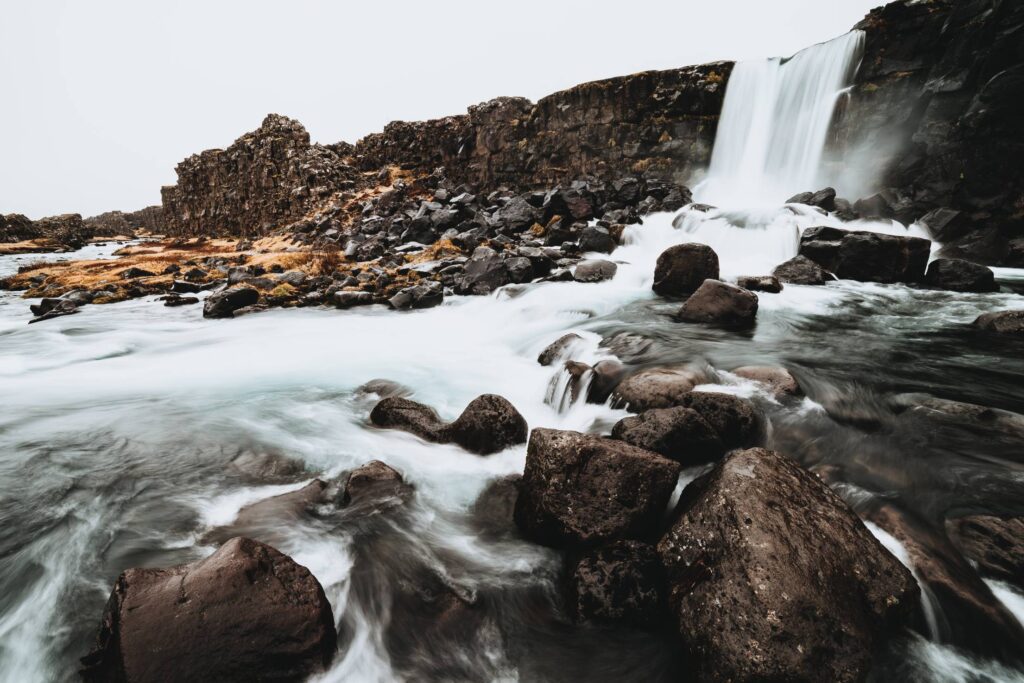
[774, 123]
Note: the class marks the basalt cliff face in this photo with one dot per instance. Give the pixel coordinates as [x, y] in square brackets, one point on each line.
[938, 113]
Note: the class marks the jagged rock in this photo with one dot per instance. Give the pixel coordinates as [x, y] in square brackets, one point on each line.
[677, 433]
[801, 270]
[483, 273]
[772, 577]
[14, 227]
[557, 350]
[682, 268]
[994, 544]
[518, 214]
[657, 388]
[605, 376]
[225, 304]
[778, 381]
[760, 283]
[246, 612]
[960, 276]
[426, 295]
[1003, 322]
[620, 582]
[520, 269]
[488, 424]
[48, 309]
[595, 270]
[579, 489]
[946, 224]
[67, 230]
[719, 302]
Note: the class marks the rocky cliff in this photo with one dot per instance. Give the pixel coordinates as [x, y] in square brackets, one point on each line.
[265, 178]
[938, 113]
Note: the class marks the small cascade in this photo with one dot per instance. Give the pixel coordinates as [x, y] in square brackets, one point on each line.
[774, 123]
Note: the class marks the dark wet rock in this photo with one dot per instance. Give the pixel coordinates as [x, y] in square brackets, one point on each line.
[484, 272]
[558, 349]
[866, 256]
[274, 511]
[247, 612]
[620, 582]
[268, 468]
[488, 424]
[374, 483]
[682, 268]
[597, 238]
[594, 270]
[134, 272]
[779, 381]
[875, 206]
[760, 283]
[348, 299]
[719, 302]
[225, 304]
[736, 421]
[492, 511]
[971, 616]
[1003, 322]
[426, 295]
[580, 489]
[677, 433]
[946, 224]
[182, 287]
[801, 270]
[52, 308]
[175, 300]
[994, 544]
[605, 376]
[960, 276]
[657, 388]
[518, 214]
[382, 388]
[772, 577]
[520, 269]
[824, 199]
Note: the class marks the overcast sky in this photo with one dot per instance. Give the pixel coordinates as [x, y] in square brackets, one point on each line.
[99, 100]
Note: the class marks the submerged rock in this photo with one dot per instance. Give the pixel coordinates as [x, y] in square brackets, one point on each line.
[772, 577]
[579, 489]
[373, 483]
[224, 304]
[994, 544]
[558, 349]
[779, 381]
[959, 275]
[488, 424]
[620, 582]
[1003, 322]
[760, 283]
[678, 433]
[247, 612]
[682, 268]
[719, 302]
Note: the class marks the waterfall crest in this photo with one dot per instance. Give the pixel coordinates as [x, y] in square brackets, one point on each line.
[774, 122]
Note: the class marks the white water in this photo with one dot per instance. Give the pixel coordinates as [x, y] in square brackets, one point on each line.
[774, 123]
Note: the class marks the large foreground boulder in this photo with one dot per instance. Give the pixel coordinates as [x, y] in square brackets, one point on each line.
[773, 578]
[580, 489]
[224, 304]
[620, 582]
[678, 433]
[682, 268]
[488, 424]
[247, 612]
[959, 275]
[719, 302]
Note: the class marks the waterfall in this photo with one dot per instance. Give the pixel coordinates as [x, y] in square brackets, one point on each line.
[774, 123]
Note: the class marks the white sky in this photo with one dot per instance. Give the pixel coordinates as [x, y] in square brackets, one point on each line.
[100, 99]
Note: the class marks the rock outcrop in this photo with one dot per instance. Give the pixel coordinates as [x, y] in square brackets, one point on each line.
[247, 612]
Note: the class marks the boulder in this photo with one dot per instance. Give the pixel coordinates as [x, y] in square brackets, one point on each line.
[719, 302]
[735, 420]
[946, 224]
[678, 433]
[580, 489]
[484, 272]
[620, 582]
[518, 214]
[373, 483]
[183, 287]
[426, 295]
[960, 276]
[773, 578]
[605, 376]
[1003, 322]
[224, 304]
[348, 299]
[682, 268]
[48, 309]
[597, 238]
[778, 381]
[801, 270]
[867, 256]
[175, 300]
[558, 349]
[488, 424]
[594, 270]
[760, 283]
[657, 388]
[247, 612]
[994, 544]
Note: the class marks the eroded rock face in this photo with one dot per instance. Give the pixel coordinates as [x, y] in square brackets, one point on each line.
[558, 349]
[682, 268]
[579, 489]
[488, 424]
[772, 577]
[266, 178]
[620, 582]
[247, 612]
[721, 303]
